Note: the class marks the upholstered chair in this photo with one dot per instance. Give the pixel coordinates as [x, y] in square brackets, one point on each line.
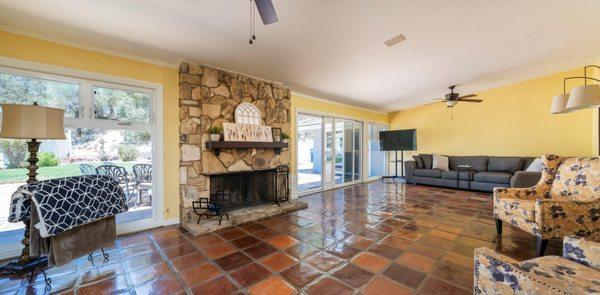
[576, 272]
[566, 201]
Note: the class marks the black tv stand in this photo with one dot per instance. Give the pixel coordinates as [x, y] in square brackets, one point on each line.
[393, 177]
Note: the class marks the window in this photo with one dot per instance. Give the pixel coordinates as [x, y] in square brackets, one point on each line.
[121, 105]
[21, 89]
[247, 113]
[376, 156]
[106, 124]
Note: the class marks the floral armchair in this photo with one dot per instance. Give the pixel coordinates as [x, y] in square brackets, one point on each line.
[566, 201]
[576, 272]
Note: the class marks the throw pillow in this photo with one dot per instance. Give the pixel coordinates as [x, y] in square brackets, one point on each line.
[427, 160]
[440, 162]
[535, 166]
[419, 162]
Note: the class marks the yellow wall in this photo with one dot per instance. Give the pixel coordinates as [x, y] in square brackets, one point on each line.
[36, 50]
[311, 105]
[512, 120]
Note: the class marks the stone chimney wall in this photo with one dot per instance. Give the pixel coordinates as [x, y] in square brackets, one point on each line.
[207, 97]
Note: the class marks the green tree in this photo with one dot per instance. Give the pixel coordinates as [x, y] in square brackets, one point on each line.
[15, 151]
[26, 90]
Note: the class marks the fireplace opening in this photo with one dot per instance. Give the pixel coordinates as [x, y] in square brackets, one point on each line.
[236, 190]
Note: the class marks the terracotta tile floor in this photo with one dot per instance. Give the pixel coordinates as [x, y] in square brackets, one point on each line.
[372, 238]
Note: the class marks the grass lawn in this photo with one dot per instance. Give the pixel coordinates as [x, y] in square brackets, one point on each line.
[20, 174]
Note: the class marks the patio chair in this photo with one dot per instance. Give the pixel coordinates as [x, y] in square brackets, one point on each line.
[120, 174]
[87, 169]
[143, 178]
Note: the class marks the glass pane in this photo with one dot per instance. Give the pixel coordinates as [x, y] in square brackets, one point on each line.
[339, 151]
[310, 152]
[121, 105]
[81, 153]
[376, 156]
[328, 152]
[26, 90]
[357, 133]
[348, 150]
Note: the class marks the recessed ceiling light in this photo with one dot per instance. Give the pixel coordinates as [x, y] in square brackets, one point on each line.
[395, 40]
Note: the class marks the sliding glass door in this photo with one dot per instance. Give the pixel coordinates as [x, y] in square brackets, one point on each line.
[376, 157]
[310, 152]
[329, 152]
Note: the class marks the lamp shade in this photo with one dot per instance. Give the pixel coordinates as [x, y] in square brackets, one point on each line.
[32, 122]
[582, 97]
[559, 104]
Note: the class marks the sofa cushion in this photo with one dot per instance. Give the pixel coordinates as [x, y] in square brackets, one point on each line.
[418, 162]
[528, 160]
[427, 160]
[496, 177]
[477, 163]
[534, 166]
[434, 173]
[505, 164]
[577, 179]
[463, 175]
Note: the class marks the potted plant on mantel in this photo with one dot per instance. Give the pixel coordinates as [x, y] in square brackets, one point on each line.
[215, 133]
[285, 137]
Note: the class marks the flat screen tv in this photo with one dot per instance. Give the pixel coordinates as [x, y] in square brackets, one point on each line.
[398, 140]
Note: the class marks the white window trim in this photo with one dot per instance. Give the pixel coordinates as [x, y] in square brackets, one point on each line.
[86, 79]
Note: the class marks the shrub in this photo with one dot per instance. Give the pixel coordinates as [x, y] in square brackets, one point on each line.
[137, 137]
[16, 152]
[128, 152]
[46, 159]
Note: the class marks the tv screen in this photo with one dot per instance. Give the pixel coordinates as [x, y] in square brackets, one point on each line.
[398, 140]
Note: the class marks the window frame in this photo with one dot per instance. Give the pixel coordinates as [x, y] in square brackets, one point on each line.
[85, 80]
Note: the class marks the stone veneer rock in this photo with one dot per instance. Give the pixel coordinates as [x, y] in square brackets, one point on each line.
[209, 96]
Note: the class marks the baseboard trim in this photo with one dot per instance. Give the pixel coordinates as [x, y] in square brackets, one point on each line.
[145, 225]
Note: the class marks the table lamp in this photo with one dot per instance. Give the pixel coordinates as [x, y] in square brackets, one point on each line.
[31, 122]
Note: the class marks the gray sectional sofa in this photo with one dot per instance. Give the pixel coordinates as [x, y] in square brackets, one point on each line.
[486, 172]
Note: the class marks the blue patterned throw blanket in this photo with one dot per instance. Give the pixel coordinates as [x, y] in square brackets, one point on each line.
[65, 203]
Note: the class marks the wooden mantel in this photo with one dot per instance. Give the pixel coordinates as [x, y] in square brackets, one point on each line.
[216, 146]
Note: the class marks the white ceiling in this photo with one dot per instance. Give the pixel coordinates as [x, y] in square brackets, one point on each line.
[334, 49]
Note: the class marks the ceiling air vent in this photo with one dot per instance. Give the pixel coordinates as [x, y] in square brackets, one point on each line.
[395, 40]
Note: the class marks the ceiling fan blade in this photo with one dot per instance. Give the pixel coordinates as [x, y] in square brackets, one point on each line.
[436, 102]
[469, 95]
[267, 11]
[470, 100]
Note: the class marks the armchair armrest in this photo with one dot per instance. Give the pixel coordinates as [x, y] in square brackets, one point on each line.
[516, 193]
[559, 217]
[582, 251]
[496, 273]
[409, 169]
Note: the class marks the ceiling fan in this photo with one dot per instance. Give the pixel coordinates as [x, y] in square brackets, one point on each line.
[267, 13]
[453, 98]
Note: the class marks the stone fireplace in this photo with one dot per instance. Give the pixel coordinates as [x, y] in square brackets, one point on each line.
[208, 97]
